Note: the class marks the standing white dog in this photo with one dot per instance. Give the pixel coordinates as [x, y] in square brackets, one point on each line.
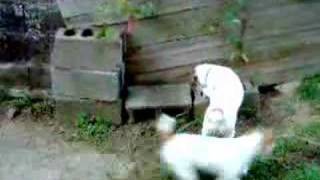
[228, 158]
[225, 91]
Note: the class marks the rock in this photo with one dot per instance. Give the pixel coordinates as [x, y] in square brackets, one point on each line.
[12, 113]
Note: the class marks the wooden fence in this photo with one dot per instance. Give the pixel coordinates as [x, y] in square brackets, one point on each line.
[281, 40]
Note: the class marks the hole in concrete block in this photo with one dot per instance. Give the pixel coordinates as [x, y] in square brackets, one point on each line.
[70, 32]
[87, 33]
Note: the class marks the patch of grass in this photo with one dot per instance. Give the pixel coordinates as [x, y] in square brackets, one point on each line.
[309, 89]
[304, 172]
[293, 157]
[93, 128]
[310, 130]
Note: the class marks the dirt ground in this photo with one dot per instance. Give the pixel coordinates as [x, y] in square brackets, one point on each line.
[33, 151]
[36, 150]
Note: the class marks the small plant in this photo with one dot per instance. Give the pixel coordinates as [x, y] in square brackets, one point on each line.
[234, 25]
[20, 102]
[107, 33]
[91, 127]
[41, 108]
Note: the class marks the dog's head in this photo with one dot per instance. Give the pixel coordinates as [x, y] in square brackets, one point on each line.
[199, 77]
[200, 74]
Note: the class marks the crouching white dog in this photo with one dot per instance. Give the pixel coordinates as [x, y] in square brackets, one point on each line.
[225, 91]
[228, 158]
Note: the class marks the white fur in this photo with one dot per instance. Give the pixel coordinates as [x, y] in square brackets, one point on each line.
[225, 91]
[166, 124]
[228, 158]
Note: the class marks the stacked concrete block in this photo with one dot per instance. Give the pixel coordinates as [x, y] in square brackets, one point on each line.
[86, 74]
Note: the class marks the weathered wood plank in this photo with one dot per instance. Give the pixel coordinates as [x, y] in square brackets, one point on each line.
[283, 45]
[168, 76]
[177, 53]
[300, 64]
[175, 26]
[274, 71]
[81, 12]
[283, 19]
[141, 97]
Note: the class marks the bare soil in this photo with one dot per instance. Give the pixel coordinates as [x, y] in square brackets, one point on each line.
[43, 150]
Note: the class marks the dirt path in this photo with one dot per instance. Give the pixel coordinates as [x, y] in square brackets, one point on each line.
[31, 151]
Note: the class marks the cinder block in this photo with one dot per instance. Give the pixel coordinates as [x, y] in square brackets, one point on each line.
[68, 109]
[80, 49]
[86, 84]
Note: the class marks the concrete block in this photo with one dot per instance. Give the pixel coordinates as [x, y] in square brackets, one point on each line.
[80, 49]
[68, 109]
[86, 84]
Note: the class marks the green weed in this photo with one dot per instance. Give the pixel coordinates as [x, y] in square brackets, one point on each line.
[93, 128]
[41, 108]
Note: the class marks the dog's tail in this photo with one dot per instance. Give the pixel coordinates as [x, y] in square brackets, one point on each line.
[166, 127]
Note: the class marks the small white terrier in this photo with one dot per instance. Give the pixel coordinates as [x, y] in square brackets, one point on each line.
[225, 91]
[228, 158]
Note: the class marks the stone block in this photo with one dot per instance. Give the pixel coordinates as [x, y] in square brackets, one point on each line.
[80, 49]
[68, 109]
[86, 84]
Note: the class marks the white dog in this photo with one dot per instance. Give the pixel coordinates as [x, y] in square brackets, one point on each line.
[225, 91]
[228, 158]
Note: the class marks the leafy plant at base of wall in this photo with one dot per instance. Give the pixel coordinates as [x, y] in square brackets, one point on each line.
[91, 127]
[234, 25]
[107, 33]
